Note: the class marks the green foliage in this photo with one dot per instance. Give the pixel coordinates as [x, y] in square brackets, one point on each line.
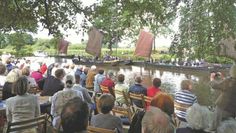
[217, 59]
[27, 14]
[203, 24]
[18, 40]
[119, 19]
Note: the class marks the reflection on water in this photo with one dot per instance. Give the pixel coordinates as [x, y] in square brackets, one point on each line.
[171, 80]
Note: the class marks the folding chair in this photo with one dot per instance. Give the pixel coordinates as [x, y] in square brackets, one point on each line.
[147, 100]
[121, 111]
[100, 130]
[118, 92]
[105, 89]
[139, 97]
[28, 124]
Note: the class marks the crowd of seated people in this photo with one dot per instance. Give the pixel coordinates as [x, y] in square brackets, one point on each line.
[70, 89]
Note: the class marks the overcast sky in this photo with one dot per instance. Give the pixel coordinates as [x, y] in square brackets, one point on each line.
[76, 38]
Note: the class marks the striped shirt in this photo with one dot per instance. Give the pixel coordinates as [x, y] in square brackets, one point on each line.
[183, 98]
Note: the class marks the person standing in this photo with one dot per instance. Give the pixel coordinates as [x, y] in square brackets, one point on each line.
[225, 103]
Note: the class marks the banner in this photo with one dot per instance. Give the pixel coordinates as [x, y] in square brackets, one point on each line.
[94, 44]
[144, 44]
[63, 46]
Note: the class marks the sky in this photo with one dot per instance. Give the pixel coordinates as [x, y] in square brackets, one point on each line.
[73, 37]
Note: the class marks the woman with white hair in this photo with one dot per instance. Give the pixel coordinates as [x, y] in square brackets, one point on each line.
[60, 98]
[198, 119]
[157, 121]
[227, 126]
[11, 77]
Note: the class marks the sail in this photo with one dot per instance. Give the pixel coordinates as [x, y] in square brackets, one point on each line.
[63, 46]
[144, 44]
[94, 44]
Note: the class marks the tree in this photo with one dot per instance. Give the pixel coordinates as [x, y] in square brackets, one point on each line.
[19, 41]
[26, 15]
[204, 23]
[122, 18]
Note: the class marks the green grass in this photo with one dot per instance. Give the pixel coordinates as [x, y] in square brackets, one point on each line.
[123, 53]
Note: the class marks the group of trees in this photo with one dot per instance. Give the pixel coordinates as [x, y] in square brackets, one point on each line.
[203, 23]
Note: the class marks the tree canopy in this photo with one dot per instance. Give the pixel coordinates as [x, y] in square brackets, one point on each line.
[203, 23]
[26, 15]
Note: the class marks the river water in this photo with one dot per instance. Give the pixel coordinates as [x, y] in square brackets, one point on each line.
[170, 78]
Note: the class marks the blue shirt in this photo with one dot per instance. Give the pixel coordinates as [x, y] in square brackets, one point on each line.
[138, 89]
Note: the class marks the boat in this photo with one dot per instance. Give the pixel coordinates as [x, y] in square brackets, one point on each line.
[40, 53]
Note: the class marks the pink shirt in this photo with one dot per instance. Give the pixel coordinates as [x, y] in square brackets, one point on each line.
[36, 75]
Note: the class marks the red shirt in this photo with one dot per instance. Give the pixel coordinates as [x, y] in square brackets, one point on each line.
[152, 91]
[108, 83]
[43, 68]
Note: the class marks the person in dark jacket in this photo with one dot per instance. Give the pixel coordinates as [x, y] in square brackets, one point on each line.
[53, 84]
[138, 88]
[12, 76]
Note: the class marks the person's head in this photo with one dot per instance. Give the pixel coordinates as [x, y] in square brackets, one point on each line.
[25, 71]
[198, 117]
[110, 74]
[21, 86]
[138, 79]
[100, 71]
[60, 73]
[121, 78]
[72, 66]
[69, 81]
[186, 85]
[232, 71]
[74, 116]
[227, 126]
[56, 65]
[2, 69]
[156, 82]
[163, 101]
[77, 79]
[93, 67]
[13, 75]
[105, 103]
[85, 70]
[8, 61]
[156, 121]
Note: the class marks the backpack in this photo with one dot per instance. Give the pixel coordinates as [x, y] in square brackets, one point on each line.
[136, 124]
